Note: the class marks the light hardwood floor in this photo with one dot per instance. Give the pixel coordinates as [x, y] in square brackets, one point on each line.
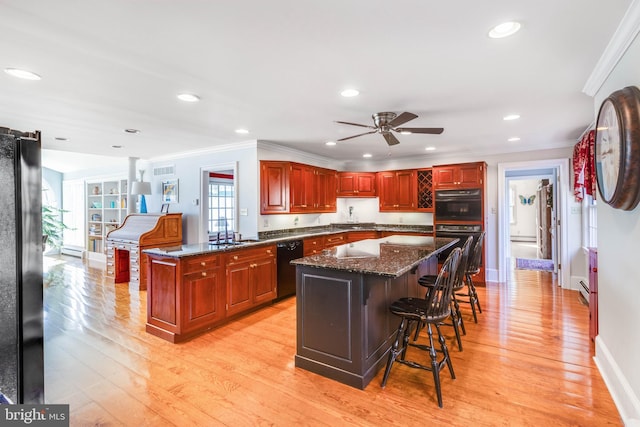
[528, 361]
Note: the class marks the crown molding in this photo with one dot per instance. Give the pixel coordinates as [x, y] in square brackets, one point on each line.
[303, 155]
[623, 37]
[209, 150]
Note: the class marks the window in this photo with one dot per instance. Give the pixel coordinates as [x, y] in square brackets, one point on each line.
[221, 206]
[589, 222]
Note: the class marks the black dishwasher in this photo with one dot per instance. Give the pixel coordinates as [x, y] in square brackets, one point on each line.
[287, 251]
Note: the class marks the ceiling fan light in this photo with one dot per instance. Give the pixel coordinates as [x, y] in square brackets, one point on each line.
[188, 97]
[22, 74]
[405, 132]
[349, 93]
[505, 29]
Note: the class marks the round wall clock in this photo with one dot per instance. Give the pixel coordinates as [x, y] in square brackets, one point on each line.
[617, 149]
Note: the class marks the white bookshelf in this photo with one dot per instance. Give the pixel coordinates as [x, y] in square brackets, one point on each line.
[106, 209]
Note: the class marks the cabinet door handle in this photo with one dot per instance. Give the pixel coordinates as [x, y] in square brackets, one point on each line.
[204, 274]
[235, 257]
[203, 263]
[268, 251]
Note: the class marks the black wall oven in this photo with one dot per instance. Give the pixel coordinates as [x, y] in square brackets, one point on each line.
[458, 205]
[460, 231]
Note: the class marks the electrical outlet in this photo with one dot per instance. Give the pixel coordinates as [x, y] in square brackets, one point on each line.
[265, 224]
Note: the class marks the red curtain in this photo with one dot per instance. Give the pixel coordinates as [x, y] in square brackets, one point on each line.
[584, 172]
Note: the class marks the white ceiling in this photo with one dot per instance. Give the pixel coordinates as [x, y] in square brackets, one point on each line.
[277, 68]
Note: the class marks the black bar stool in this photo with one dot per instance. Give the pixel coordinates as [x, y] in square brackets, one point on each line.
[471, 296]
[430, 311]
[456, 315]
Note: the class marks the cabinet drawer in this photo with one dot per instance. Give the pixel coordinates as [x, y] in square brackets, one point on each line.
[334, 240]
[313, 245]
[241, 255]
[200, 263]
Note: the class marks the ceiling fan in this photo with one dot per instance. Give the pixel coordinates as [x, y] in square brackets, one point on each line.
[386, 123]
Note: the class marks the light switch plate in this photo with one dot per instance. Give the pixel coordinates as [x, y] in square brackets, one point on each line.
[244, 212]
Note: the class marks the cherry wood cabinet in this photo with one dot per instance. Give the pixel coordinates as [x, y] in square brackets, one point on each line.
[332, 240]
[593, 293]
[464, 175]
[251, 278]
[289, 187]
[326, 186]
[185, 296]
[354, 236]
[274, 187]
[424, 181]
[312, 245]
[397, 190]
[357, 184]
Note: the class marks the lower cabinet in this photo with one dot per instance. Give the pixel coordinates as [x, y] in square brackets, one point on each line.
[251, 278]
[185, 296]
[189, 295]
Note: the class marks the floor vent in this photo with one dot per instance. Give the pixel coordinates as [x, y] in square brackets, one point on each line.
[164, 170]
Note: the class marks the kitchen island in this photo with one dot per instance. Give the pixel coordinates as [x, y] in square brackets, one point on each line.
[344, 327]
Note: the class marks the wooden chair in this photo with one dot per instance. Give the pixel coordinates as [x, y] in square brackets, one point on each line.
[431, 312]
[473, 267]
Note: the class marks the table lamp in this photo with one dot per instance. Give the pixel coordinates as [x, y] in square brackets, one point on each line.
[141, 188]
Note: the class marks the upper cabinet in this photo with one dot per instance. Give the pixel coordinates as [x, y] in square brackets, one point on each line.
[274, 187]
[288, 187]
[357, 184]
[397, 190]
[465, 175]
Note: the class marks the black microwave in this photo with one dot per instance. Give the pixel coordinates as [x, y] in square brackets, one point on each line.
[459, 205]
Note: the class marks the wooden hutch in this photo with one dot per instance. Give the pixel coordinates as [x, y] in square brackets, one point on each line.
[125, 260]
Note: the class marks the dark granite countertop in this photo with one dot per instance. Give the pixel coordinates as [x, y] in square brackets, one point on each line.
[390, 256]
[273, 237]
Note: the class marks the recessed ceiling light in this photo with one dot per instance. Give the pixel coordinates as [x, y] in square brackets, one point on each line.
[61, 138]
[131, 130]
[505, 29]
[405, 132]
[513, 139]
[348, 93]
[330, 143]
[242, 131]
[511, 117]
[116, 146]
[430, 148]
[188, 97]
[367, 155]
[22, 74]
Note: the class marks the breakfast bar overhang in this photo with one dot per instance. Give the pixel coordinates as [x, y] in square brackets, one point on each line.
[344, 327]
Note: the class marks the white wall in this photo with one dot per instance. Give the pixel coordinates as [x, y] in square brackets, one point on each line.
[618, 342]
[524, 226]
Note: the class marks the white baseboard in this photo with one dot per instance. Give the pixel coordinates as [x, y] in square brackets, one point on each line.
[523, 238]
[623, 396]
[575, 282]
[73, 251]
[491, 275]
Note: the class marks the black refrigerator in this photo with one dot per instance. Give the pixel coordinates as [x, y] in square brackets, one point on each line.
[21, 319]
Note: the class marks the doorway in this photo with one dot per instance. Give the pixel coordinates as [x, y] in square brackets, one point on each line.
[532, 214]
[556, 171]
[219, 204]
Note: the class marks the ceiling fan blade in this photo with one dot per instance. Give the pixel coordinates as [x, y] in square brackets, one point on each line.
[355, 136]
[435, 131]
[402, 119]
[391, 139]
[356, 124]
